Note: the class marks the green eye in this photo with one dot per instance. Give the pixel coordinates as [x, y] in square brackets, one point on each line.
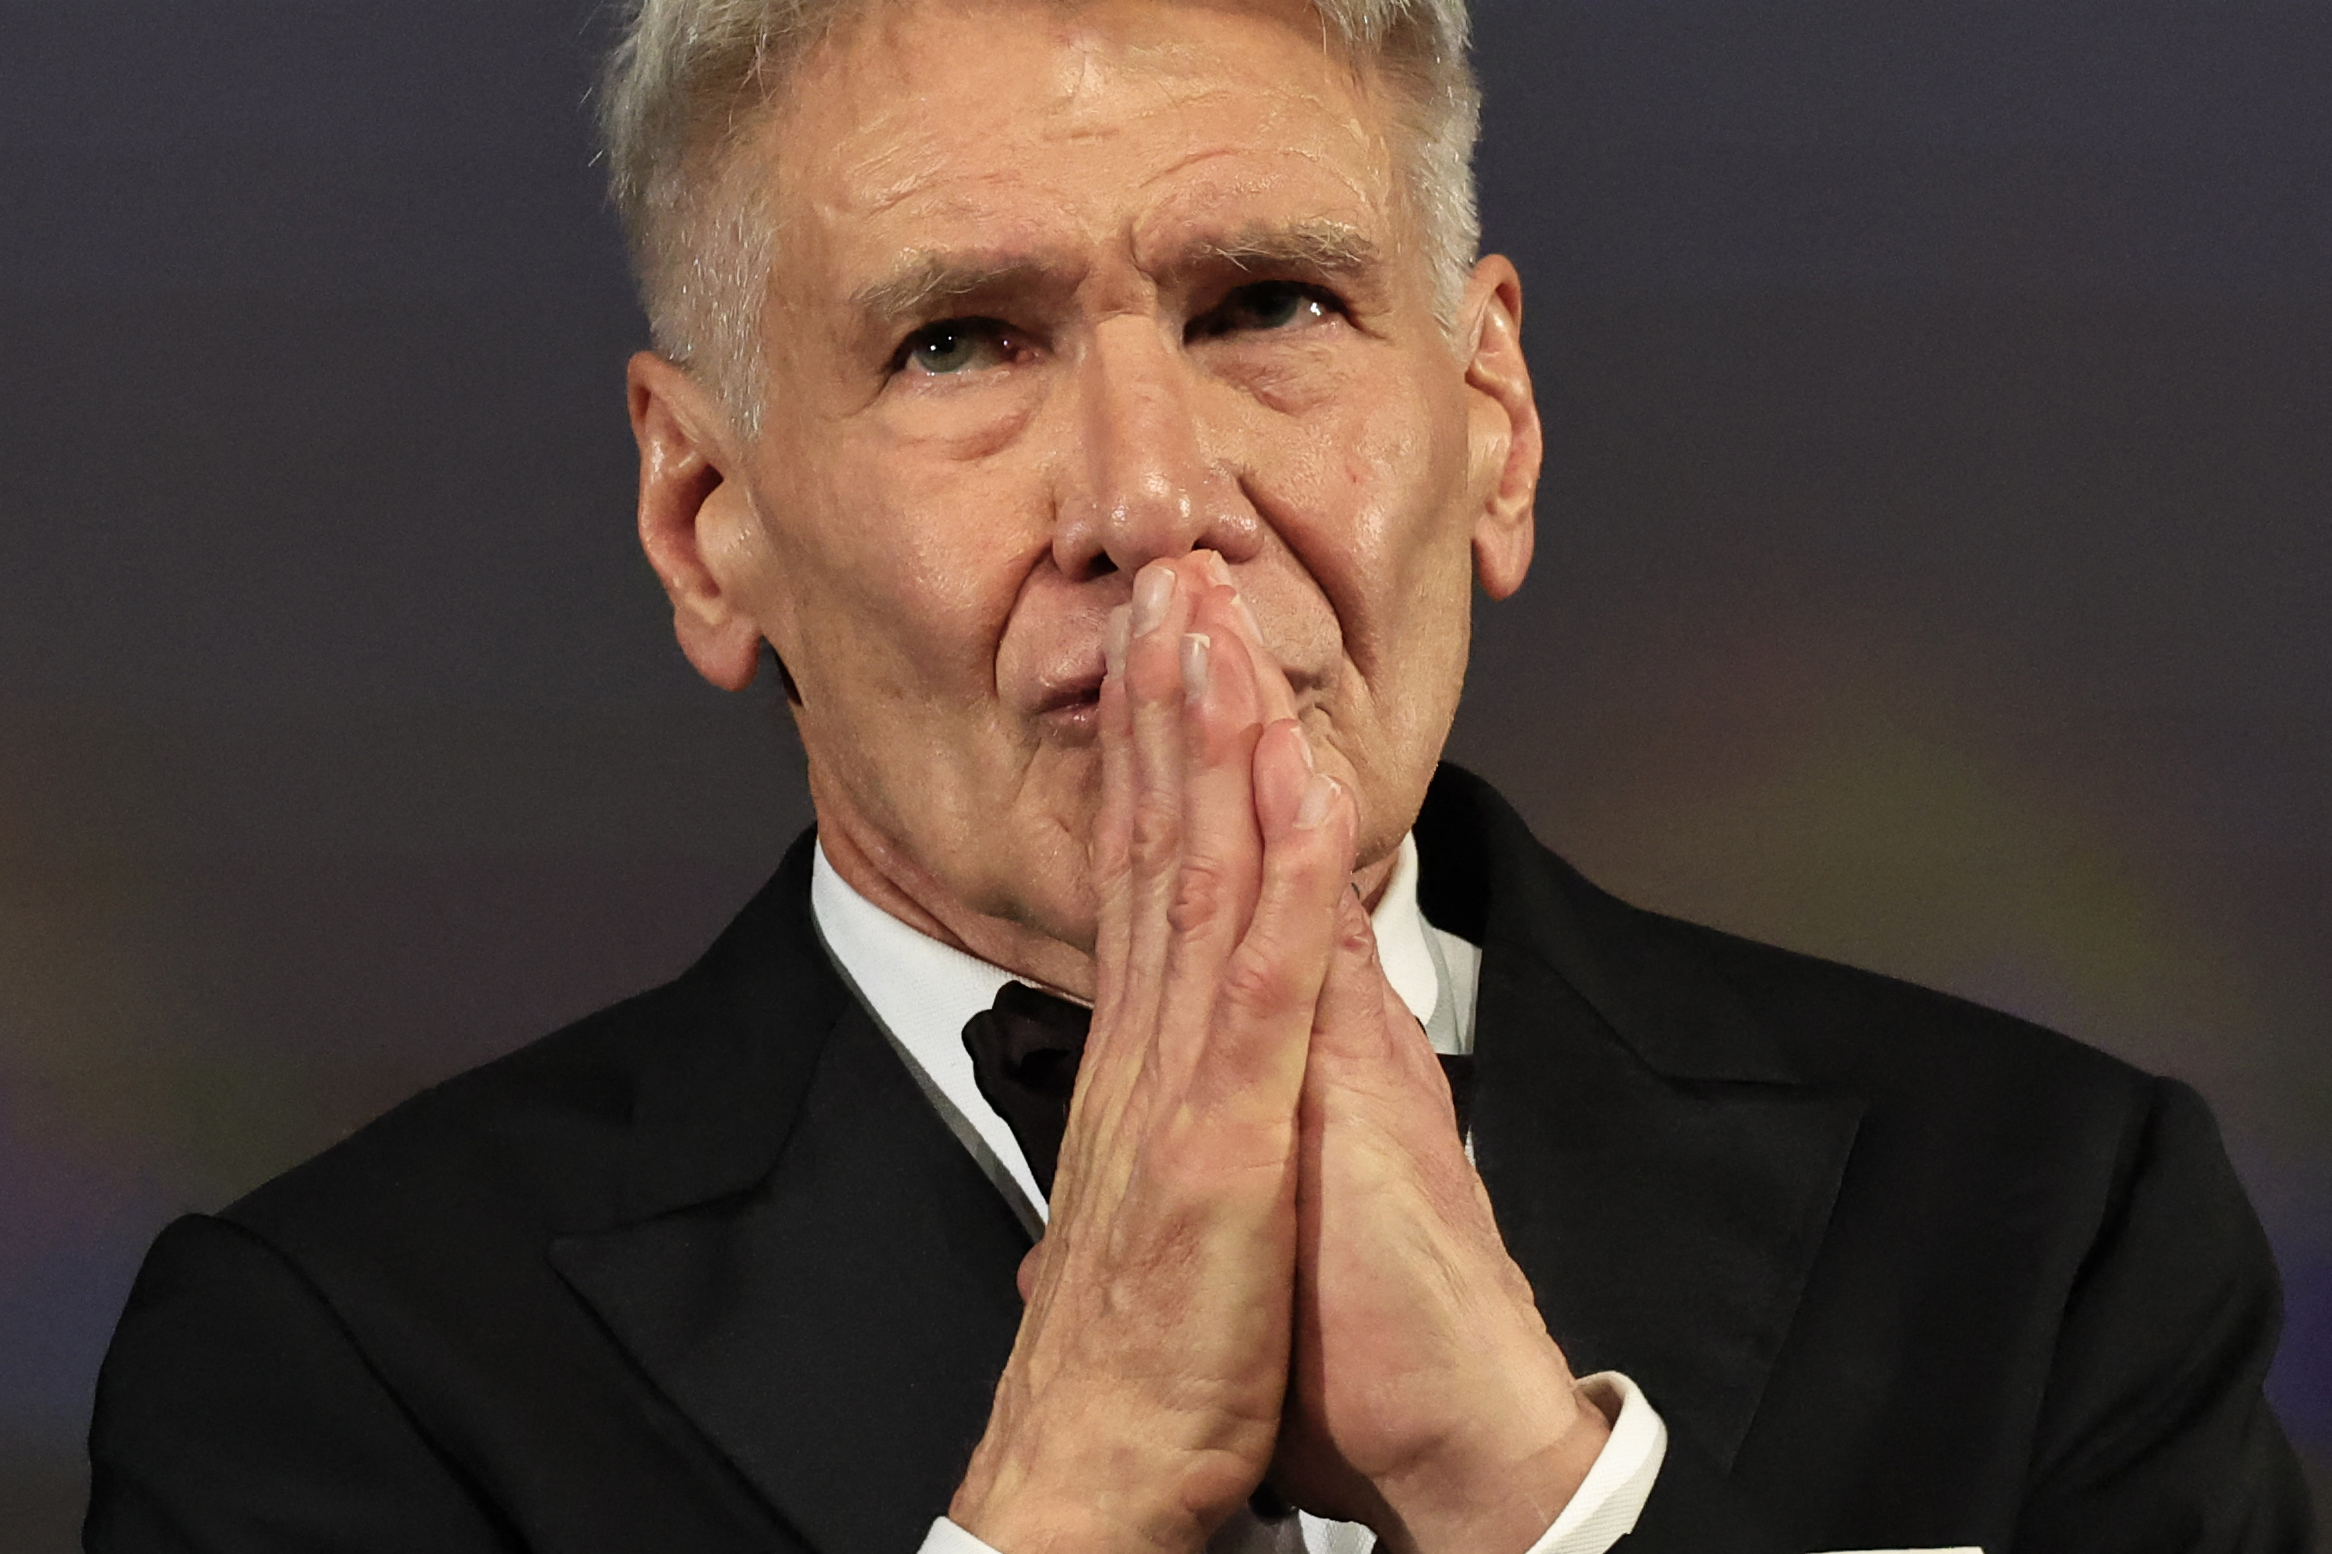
[958, 345]
[1275, 307]
[1267, 306]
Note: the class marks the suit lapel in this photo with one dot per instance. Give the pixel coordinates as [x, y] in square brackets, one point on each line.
[832, 1307]
[1658, 1171]
[1667, 1228]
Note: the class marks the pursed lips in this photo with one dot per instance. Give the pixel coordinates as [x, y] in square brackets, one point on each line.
[1068, 705]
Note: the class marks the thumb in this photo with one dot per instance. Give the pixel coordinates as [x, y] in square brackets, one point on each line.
[1365, 1039]
[1349, 1021]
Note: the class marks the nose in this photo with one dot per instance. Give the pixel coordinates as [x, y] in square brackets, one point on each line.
[1144, 483]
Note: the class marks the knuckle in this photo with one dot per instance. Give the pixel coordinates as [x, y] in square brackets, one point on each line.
[1302, 864]
[1258, 981]
[1155, 833]
[1200, 889]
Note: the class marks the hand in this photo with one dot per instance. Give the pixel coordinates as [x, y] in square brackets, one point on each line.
[1142, 1399]
[1427, 1399]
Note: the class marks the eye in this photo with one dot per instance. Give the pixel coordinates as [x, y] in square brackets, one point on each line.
[1265, 306]
[958, 345]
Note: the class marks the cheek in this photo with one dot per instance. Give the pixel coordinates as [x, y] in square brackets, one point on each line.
[1368, 496]
[902, 571]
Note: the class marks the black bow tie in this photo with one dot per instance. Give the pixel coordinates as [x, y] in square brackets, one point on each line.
[1025, 1050]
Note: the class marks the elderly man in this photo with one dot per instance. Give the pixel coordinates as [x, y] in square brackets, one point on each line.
[1099, 411]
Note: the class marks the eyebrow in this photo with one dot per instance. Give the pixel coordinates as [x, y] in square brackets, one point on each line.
[1319, 247]
[922, 279]
[1314, 248]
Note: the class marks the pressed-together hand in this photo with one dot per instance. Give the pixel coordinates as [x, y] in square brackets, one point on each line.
[1142, 1400]
[1427, 1399]
[1261, 1163]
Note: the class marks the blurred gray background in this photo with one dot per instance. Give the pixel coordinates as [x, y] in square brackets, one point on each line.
[1936, 542]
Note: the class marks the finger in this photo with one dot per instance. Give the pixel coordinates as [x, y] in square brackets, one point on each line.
[1114, 820]
[1122, 1045]
[1098, 1087]
[1227, 691]
[1273, 978]
[1283, 765]
[1153, 682]
[1368, 1043]
[1222, 846]
[1222, 857]
[1279, 698]
[1352, 1019]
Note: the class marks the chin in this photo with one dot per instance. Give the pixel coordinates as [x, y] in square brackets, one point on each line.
[1389, 796]
[1046, 886]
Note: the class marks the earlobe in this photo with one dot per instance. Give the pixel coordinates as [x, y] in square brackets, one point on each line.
[1507, 443]
[692, 519]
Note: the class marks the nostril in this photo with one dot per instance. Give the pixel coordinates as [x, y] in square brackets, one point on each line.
[1100, 566]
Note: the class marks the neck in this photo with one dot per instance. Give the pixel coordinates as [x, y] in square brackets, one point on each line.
[890, 877]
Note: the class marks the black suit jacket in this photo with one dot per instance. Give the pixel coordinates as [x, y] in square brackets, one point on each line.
[706, 1273]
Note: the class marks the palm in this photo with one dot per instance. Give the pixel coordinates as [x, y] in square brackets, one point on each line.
[1375, 1321]
[1417, 1341]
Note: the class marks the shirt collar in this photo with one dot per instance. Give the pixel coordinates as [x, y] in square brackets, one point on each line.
[922, 991]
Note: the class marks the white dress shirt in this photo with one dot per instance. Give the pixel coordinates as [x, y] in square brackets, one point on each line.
[921, 993]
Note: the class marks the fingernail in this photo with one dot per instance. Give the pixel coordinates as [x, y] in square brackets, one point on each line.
[1220, 568]
[1194, 651]
[1312, 809]
[1247, 616]
[1153, 591]
[1114, 638]
[1304, 745]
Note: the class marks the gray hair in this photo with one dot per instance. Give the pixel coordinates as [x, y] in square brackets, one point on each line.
[689, 80]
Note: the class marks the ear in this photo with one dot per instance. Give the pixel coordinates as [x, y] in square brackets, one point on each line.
[1506, 442]
[696, 523]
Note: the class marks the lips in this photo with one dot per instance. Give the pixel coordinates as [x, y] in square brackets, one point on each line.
[1083, 690]
[1056, 684]
[1068, 695]
[1072, 700]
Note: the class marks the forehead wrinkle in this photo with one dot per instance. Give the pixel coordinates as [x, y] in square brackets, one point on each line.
[881, 165]
[1315, 171]
[1097, 68]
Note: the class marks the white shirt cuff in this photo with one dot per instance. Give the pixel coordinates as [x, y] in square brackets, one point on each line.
[945, 1537]
[1612, 1495]
[1601, 1512]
